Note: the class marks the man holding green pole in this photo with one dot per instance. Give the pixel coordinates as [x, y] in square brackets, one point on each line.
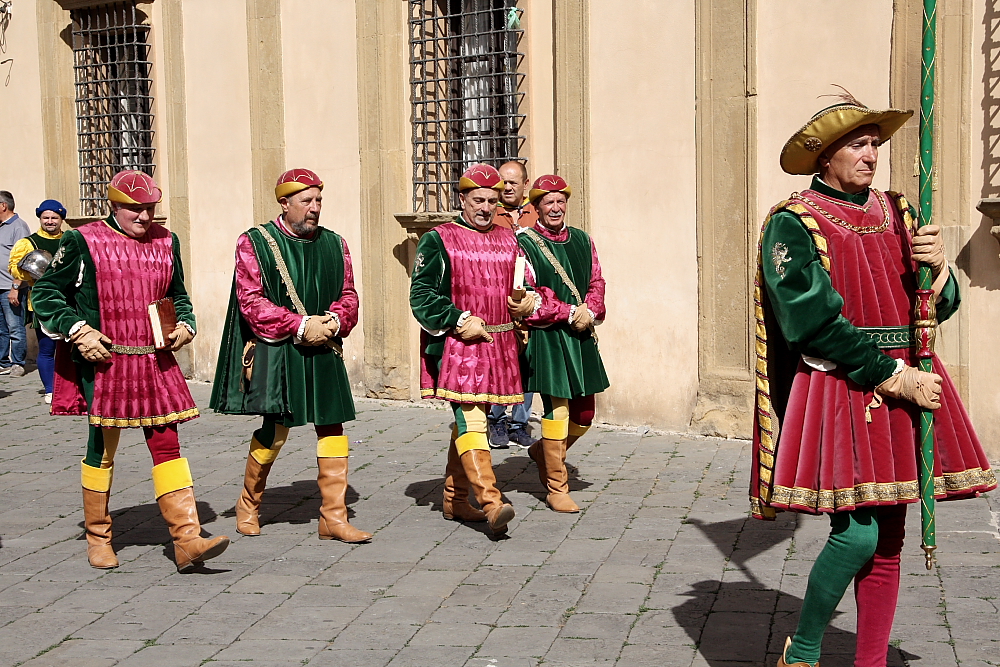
[839, 394]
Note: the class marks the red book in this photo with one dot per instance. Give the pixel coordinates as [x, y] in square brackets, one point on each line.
[163, 319]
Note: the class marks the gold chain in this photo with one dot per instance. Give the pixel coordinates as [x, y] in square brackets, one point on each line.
[846, 225]
[133, 350]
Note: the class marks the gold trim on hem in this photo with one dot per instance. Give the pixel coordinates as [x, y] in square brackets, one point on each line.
[455, 397]
[827, 500]
[137, 422]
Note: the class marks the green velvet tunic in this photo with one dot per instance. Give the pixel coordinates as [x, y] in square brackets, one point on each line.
[562, 362]
[809, 310]
[294, 384]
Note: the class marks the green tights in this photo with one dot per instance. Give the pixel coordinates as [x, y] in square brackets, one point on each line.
[852, 542]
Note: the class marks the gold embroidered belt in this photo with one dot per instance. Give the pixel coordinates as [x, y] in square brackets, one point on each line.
[497, 328]
[890, 338]
[132, 350]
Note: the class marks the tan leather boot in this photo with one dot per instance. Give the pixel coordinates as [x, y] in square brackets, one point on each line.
[248, 506]
[181, 514]
[781, 660]
[557, 479]
[97, 521]
[332, 482]
[455, 504]
[535, 452]
[478, 466]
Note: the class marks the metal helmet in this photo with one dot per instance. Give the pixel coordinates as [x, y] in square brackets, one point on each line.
[35, 263]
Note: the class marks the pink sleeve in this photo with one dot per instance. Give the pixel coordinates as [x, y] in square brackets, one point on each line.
[595, 292]
[268, 321]
[346, 308]
[552, 311]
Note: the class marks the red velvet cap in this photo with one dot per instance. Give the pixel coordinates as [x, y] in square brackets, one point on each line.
[134, 187]
[296, 180]
[549, 183]
[480, 176]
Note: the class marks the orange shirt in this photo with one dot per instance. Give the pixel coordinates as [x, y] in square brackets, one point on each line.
[526, 216]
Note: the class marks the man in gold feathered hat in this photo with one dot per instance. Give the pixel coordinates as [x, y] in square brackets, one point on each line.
[839, 391]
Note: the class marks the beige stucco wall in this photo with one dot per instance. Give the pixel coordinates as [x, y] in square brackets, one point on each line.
[319, 57]
[845, 42]
[978, 259]
[642, 179]
[218, 123]
[22, 169]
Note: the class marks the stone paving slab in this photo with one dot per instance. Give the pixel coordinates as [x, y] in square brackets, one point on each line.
[662, 567]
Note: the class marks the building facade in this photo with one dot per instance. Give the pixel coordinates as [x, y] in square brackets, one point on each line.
[666, 117]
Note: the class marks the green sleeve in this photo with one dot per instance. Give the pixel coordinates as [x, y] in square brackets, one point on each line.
[430, 285]
[177, 291]
[807, 307]
[60, 298]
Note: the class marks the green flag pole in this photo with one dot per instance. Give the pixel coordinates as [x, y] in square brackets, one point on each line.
[925, 315]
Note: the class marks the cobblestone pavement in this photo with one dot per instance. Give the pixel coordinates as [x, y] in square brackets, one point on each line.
[662, 567]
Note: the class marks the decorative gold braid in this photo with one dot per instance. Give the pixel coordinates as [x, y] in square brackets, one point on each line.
[560, 271]
[286, 278]
[499, 328]
[858, 229]
[132, 350]
[766, 449]
[903, 207]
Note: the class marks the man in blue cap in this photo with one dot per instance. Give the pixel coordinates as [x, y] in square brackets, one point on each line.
[50, 216]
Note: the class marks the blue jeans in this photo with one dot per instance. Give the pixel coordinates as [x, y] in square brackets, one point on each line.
[46, 359]
[13, 339]
[518, 415]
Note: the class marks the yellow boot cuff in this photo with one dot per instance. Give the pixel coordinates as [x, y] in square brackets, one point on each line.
[577, 430]
[470, 441]
[332, 446]
[96, 479]
[264, 455]
[555, 429]
[171, 476]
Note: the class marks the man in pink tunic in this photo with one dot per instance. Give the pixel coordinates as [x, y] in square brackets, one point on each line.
[460, 294]
[95, 297]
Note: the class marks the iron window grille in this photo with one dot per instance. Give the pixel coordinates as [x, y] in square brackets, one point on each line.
[114, 103]
[466, 92]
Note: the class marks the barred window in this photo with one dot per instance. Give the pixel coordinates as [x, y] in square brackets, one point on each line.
[466, 92]
[114, 104]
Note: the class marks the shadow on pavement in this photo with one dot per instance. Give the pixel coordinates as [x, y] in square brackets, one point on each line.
[295, 503]
[143, 525]
[738, 622]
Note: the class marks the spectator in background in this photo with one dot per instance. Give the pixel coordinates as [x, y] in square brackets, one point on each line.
[50, 215]
[514, 212]
[13, 339]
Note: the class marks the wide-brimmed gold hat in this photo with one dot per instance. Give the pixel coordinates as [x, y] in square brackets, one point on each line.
[801, 153]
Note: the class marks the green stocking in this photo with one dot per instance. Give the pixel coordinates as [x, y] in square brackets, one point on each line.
[852, 542]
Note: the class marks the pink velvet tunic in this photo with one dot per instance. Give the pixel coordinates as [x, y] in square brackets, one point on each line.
[130, 390]
[829, 457]
[482, 276]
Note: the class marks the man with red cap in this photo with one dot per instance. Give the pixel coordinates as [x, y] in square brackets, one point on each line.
[460, 294]
[564, 364]
[95, 296]
[293, 302]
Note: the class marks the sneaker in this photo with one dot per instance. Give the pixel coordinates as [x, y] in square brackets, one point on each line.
[5, 370]
[497, 432]
[48, 398]
[17, 371]
[519, 435]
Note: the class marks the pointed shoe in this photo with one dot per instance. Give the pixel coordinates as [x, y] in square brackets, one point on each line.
[561, 502]
[781, 660]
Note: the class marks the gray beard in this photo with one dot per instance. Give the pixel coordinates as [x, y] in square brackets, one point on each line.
[304, 228]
